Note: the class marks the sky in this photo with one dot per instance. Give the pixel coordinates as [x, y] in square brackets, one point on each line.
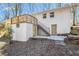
[26, 8]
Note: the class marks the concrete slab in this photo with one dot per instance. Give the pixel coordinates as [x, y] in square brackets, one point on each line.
[53, 37]
[57, 37]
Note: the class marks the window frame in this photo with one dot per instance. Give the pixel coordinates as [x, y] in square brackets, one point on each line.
[44, 16]
[52, 14]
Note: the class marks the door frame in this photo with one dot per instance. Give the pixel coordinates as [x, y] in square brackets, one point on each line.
[55, 30]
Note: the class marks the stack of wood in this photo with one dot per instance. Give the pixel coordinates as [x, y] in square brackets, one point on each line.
[72, 39]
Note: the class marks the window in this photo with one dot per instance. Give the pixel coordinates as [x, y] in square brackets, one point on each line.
[44, 15]
[52, 14]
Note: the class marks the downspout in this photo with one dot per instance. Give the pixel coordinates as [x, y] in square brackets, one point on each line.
[74, 21]
[74, 8]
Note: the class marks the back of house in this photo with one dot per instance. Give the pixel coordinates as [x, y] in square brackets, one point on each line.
[58, 21]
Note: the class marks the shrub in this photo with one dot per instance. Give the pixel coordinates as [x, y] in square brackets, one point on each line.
[8, 35]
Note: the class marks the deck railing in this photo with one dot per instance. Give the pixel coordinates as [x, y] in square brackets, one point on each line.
[24, 19]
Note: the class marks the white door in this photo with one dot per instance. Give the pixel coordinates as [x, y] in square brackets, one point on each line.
[54, 28]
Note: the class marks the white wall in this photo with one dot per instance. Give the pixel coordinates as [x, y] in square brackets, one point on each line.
[46, 21]
[23, 32]
[62, 19]
[64, 22]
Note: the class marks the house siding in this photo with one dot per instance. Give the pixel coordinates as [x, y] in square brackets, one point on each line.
[62, 17]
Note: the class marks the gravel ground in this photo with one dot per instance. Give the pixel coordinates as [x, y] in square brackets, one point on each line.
[41, 47]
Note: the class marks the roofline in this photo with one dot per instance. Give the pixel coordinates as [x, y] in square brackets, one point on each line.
[50, 10]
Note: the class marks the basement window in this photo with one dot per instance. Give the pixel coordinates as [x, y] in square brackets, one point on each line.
[44, 16]
[52, 14]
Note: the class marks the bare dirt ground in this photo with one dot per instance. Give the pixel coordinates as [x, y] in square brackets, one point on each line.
[41, 47]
